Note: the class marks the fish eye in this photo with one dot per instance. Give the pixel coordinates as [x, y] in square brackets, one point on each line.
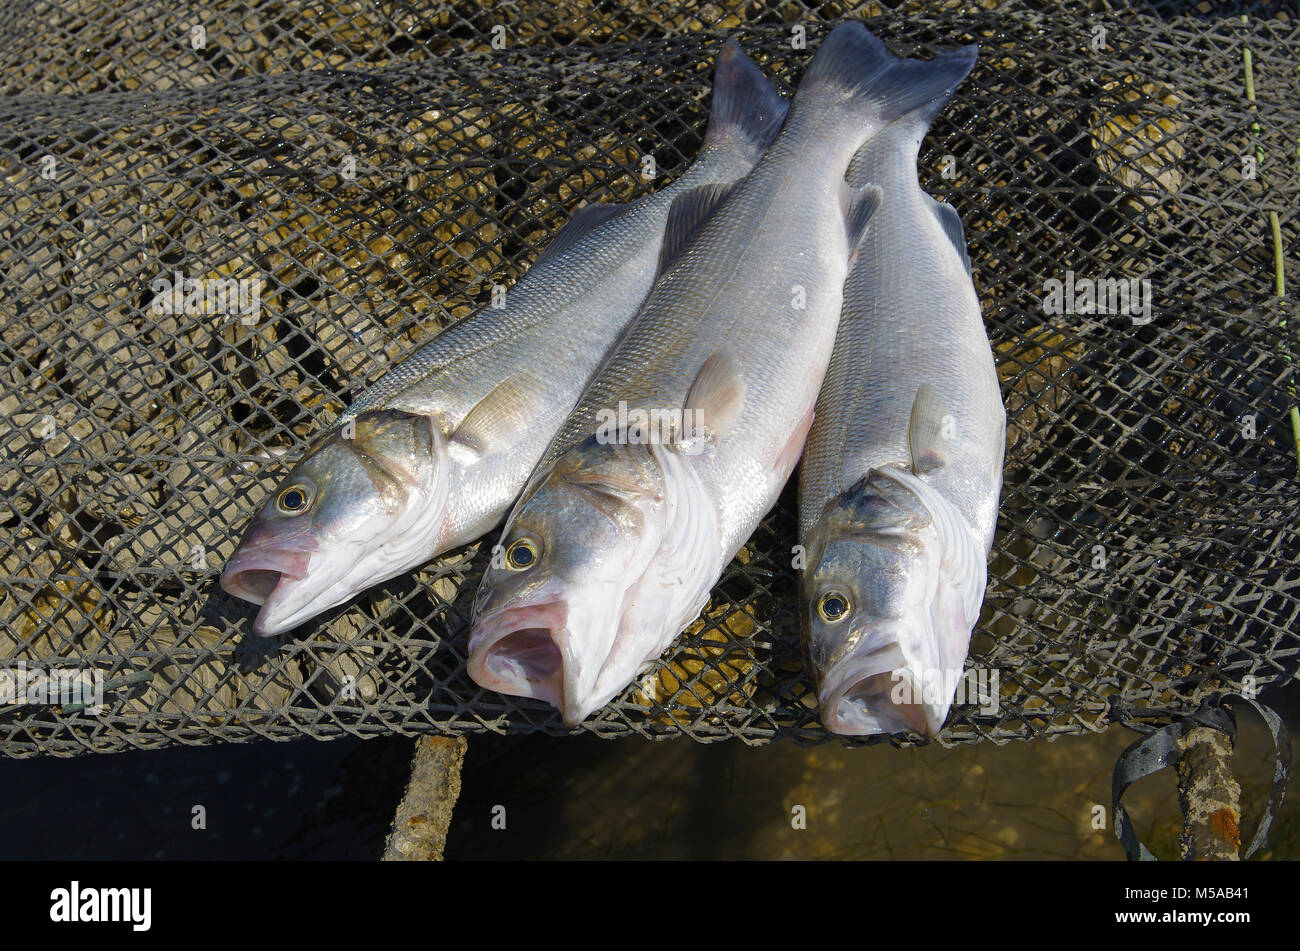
[833, 606]
[521, 554]
[293, 500]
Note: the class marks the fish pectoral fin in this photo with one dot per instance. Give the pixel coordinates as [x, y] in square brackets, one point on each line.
[688, 211]
[793, 448]
[858, 204]
[494, 421]
[717, 394]
[950, 222]
[930, 430]
[584, 220]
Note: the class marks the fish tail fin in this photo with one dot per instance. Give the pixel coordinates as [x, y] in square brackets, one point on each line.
[954, 66]
[904, 134]
[747, 111]
[854, 68]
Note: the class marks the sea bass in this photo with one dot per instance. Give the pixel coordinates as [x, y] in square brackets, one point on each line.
[431, 456]
[685, 437]
[900, 478]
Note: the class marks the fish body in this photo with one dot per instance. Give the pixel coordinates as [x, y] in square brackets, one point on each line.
[431, 456]
[901, 475]
[685, 437]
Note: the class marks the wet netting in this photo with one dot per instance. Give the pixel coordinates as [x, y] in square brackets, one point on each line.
[339, 181]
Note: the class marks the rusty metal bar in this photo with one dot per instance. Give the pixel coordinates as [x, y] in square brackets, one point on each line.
[1209, 797]
[423, 816]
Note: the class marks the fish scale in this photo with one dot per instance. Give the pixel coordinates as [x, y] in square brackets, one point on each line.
[910, 315]
[900, 478]
[719, 296]
[486, 395]
[740, 329]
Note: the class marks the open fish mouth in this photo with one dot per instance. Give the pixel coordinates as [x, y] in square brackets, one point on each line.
[265, 576]
[525, 652]
[872, 696]
[866, 706]
[255, 574]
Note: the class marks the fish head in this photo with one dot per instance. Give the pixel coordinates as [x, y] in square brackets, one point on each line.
[573, 604]
[885, 630]
[356, 509]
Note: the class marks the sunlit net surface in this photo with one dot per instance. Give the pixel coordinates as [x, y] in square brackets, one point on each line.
[370, 170]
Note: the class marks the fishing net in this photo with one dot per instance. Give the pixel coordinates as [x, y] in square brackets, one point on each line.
[220, 220]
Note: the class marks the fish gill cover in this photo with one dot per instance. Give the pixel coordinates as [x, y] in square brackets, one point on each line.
[220, 221]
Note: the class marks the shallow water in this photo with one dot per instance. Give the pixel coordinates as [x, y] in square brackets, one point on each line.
[636, 799]
[582, 797]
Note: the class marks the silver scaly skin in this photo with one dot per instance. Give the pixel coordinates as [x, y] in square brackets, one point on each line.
[900, 478]
[431, 456]
[623, 530]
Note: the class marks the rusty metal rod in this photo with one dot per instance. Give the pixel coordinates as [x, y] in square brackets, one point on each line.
[423, 816]
[1209, 796]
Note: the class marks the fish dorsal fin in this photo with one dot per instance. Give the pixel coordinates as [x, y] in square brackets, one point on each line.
[858, 204]
[494, 421]
[689, 210]
[930, 431]
[585, 220]
[950, 222]
[715, 397]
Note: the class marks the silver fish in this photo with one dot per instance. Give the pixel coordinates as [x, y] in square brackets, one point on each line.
[900, 478]
[431, 456]
[685, 437]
